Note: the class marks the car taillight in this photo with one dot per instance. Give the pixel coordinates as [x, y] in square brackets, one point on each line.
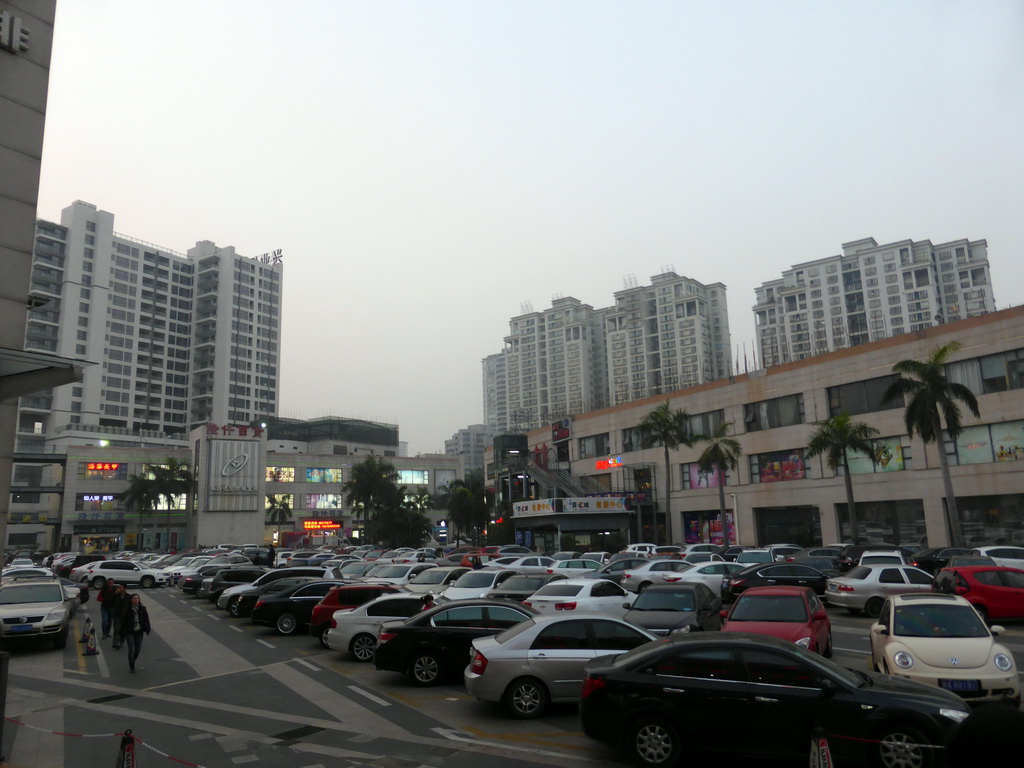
[334, 623]
[565, 606]
[258, 604]
[627, 576]
[479, 664]
[383, 637]
[670, 579]
[845, 588]
[915, 564]
[551, 570]
[592, 683]
[735, 582]
[527, 603]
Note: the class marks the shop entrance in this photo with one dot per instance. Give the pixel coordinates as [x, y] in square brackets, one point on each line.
[790, 525]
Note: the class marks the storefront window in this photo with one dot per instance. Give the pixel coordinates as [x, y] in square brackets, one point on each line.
[992, 519]
[413, 476]
[893, 522]
[285, 498]
[889, 454]
[778, 466]
[324, 475]
[323, 501]
[280, 474]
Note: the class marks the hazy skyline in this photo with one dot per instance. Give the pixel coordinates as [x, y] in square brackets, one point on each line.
[429, 167]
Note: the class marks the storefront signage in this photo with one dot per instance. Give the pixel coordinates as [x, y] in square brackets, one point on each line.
[560, 430]
[231, 429]
[274, 257]
[98, 497]
[610, 463]
[101, 465]
[95, 529]
[320, 525]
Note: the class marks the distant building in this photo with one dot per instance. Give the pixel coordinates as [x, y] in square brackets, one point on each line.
[495, 393]
[870, 292]
[470, 443]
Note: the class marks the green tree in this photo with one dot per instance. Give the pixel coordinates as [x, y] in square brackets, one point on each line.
[836, 438]
[930, 399]
[721, 453]
[143, 496]
[668, 429]
[371, 488]
[279, 512]
[172, 481]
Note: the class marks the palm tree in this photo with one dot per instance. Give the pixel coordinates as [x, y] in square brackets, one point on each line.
[370, 488]
[931, 398]
[172, 481]
[279, 512]
[721, 453]
[668, 429]
[143, 495]
[836, 438]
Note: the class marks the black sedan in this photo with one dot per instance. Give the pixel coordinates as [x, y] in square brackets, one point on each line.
[935, 559]
[615, 569]
[773, 575]
[668, 609]
[289, 610]
[661, 700]
[190, 584]
[435, 643]
[241, 605]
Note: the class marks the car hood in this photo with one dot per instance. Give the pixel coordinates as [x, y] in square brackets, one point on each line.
[661, 619]
[939, 652]
[25, 609]
[886, 684]
[784, 630]
[465, 593]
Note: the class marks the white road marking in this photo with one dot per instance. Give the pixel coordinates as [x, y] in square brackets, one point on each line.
[307, 664]
[238, 629]
[264, 642]
[370, 696]
[852, 650]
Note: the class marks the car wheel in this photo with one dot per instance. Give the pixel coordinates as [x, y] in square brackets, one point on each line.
[853, 611]
[233, 607]
[148, 582]
[98, 582]
[362, 647]
[425, 668]
[904, 746]
[983, 612]
[61, 640]
[873, 607]
[286, 624]
[526, 698]
[827, 653]
[653, 741]
[640, 588]
[322, 636]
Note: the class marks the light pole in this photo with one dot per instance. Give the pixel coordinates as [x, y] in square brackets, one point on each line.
[735, 522]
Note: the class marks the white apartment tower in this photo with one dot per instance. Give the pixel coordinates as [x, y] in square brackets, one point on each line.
[669, 335]
[495, 393]
[178, 340]
[469, 444]
[870, 292]
[555, 364]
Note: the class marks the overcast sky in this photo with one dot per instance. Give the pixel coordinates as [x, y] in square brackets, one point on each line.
[428, 167]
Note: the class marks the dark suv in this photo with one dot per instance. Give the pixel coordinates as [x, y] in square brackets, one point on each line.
[230, 577]
[65, 569]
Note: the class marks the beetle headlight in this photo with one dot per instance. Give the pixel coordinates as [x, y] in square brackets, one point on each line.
[1003, 662]
[903, 660]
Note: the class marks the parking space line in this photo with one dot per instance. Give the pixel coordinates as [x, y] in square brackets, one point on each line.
[238, 629]
[852, 650]
[264, 642]
[370, 696]
[307, 664]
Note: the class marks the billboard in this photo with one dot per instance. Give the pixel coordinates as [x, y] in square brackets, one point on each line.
[779, 466]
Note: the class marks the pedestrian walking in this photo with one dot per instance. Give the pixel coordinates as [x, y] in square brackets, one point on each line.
[117, 604]
[135, 623]
[271, 556]
[106, 616]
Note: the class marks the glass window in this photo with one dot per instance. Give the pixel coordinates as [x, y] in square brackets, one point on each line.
[705, 665]
[280, 475]
[769, 414]
[565, 635]
[776, 669]
[890, 576]
[989, 578]
[470, 616]
[612, 636]
[503, 618]
[778, 466]
[915, 576]
[1012, 579]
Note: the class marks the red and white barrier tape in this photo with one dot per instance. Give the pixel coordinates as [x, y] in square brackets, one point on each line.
[103, 736]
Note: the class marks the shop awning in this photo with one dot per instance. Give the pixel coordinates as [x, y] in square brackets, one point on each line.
[24, 371]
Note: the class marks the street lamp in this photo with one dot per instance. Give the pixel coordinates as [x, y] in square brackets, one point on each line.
[735, 522]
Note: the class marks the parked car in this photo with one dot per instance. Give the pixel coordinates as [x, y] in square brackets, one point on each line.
[783, 552]
[355, 630]
[866, 586]
[731, 553]
[122, 572]
[398, 574]
[959, 561]
[996, 593]
[833, 552]
[615, 568]
[289, 611]
[478, 583]
[35, 608]
[575, 568]
[435, 643]
[541, 660]
[228, 597]
[827, 565]
[653, 572]
[233, 576]
[1006, 556]
[875, 557]
[641, 549]
[714, 549]
[695, 558]
[601, 556]
[667, 609]
[709, 574]
[751, 555]
[660, 701]
[851, 553]
[936, 558]
[65, 567]
[515, 549]
[530, 564]
[597, 595]
[521, 586]
[346, 597]
[436, 579]
[190, 581]
[790, 613]
[566, 555]
[771, 575]
[241, 604]
[941, 640]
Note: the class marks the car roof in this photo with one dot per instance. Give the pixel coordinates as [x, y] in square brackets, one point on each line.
[682, 586]
[774, 591]
[928, 597]
[969, 569]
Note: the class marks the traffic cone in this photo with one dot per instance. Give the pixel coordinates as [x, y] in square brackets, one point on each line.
[87, 631]
[90, 648]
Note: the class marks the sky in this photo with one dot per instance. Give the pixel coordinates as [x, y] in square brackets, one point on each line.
[427, 168]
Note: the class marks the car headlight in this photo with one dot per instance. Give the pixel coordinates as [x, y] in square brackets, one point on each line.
[1003, 662]
[677, 630]
[804, 642]
[903, 660]
[954, 714]
[57, 614]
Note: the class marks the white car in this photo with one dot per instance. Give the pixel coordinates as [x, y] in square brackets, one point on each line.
[355, 630]
[174, 571]
[941, 640]
[584, 595]
[20, 562]
[865, 587]
[751, 556]
[502, 562]
[882, 557]
[654, 572]
[602, 557]
[709, 574]
[399, 574]
[572, 568]
[122, 572]
[1004, 555]
[643, 549]
[476, 583]
[436, 579]
[531, 564]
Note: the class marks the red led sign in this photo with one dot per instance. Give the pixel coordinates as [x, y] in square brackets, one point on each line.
[609, 463]
[320, 525]
[101, 465]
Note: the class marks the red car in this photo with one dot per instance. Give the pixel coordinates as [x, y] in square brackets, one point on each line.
[790, 613]
[996, 592]
[342, 598]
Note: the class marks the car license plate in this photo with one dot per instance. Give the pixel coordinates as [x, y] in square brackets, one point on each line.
[960, 685]
[21, 628]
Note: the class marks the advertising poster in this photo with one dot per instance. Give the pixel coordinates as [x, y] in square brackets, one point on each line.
[973, 446]
[888, 455]
[780, 466]
[706, 527]
[1008, 441]
[701, 479]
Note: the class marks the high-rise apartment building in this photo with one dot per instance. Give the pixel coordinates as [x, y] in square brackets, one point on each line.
[180, 340]
[669, 335]
[469, 444]
[495, 393]
[870, 292]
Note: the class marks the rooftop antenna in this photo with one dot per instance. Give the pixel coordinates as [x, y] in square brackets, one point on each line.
[526, 308]
[667, 268]
[628, 281]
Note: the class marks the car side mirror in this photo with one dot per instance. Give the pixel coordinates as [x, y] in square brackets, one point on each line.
[996, 629]
[820, 615]
[879, 629]
[724, 614]
[627, 606]
[828, 687]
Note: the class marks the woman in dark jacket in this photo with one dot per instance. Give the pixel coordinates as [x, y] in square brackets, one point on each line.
[134, 624]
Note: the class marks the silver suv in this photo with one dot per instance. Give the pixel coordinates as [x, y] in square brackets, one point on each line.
[37, 609]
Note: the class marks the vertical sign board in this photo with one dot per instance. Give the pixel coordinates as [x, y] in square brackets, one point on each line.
[234, 475]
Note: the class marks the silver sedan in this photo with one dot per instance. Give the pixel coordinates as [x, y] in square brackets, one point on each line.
[541, 659]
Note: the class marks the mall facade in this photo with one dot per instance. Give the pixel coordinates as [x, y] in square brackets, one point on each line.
[778, 493]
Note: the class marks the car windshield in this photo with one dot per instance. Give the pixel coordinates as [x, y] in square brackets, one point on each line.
[475, 579]
[787, 608]
[559, 590]
[430, 577]
[523, 583]
[355, 569]
[754, 557]
[651, 600]
[860, 572]
[938, 621]
[31, 593]
[881, 559]
[392, 572]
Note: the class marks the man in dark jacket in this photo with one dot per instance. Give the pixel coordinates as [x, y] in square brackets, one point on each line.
[116, 605]
[106, 592]
[135, 623]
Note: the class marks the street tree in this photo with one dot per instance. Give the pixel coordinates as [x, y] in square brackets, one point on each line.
[668, 429]
[279, 512]
[721, 453]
